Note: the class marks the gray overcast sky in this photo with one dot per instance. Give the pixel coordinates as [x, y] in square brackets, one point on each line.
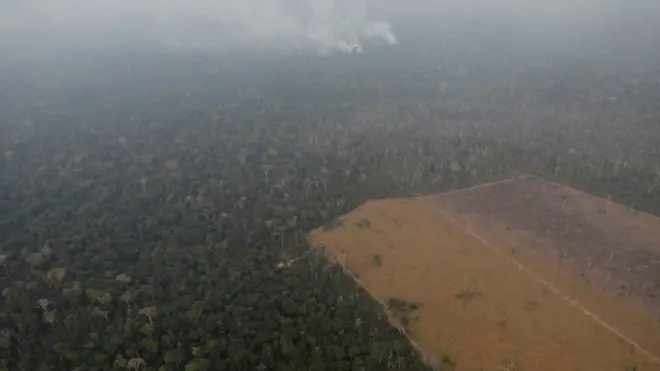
[319, 25]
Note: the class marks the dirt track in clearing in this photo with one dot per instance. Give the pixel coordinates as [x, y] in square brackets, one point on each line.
[500, 286]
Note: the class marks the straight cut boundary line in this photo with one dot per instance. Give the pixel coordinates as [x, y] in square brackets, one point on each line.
[332, 257]
[556, 183]
[574, 303]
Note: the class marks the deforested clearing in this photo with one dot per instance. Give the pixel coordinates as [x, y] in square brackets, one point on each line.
[518, 274]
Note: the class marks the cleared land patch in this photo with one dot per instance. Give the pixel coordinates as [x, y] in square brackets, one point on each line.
[482, 281]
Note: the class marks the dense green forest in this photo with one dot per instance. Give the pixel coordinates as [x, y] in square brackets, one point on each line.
[150, 204]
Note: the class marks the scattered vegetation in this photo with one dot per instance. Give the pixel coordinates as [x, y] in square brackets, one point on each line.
[531, 304]
[467, 295]
[378, 261]
[447, 363]
[363, 223]
[402, 310]
[401, 306]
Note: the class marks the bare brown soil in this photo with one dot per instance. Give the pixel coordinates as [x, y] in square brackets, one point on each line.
[509, 278]
[587, 231]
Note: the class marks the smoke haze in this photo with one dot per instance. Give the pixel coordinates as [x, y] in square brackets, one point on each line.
[321, 26]
[318, 25]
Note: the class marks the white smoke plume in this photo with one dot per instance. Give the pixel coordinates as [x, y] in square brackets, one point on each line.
[319, 25]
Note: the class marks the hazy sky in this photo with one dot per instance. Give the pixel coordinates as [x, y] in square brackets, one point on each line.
[318, 25]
